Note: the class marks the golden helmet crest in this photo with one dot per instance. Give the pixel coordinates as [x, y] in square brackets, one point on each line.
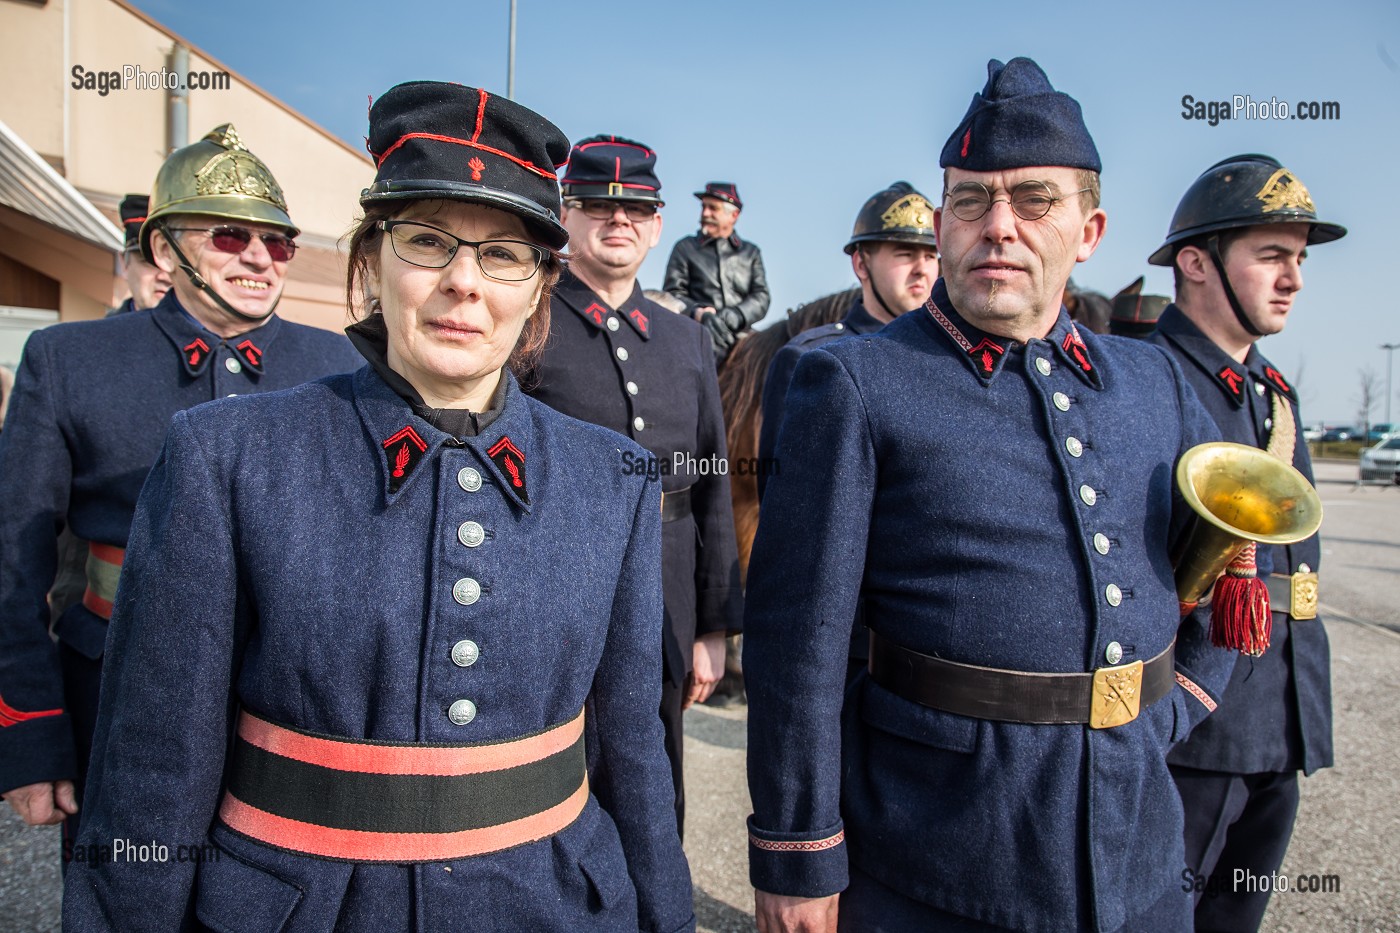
[216, 177]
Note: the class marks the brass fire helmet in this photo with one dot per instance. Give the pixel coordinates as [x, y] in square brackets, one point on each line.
[1240, 494]
[216, 177]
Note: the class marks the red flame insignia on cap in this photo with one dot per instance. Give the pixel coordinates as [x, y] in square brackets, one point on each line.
[477, 166]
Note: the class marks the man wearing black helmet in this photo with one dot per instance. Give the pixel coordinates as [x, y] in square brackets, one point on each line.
[1236, 247]
[894, 254]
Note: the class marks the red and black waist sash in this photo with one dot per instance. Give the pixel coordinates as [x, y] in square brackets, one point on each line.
[366, 801]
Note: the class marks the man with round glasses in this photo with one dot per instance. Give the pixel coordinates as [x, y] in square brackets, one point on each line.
[617, 359]
[89, 413]
[992, 485]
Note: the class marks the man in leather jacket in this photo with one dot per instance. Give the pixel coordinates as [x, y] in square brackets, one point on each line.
[718, 276]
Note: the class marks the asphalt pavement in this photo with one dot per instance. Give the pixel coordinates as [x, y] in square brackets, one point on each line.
[1348, 831]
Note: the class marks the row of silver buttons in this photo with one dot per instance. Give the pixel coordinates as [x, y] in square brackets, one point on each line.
[1112, 593]
[466, 591]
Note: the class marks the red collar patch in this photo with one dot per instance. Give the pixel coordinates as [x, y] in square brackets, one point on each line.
[1074, 345]
[405, 451]
[511, 462]
[595, 313]
[1275, 378]
[639, 319]
[252, 356]
[984, 356]
[196, 355]
[1232, 380]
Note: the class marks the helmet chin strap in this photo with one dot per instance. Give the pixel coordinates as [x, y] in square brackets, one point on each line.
[1213, 247]
[875, 289]
[198, 282]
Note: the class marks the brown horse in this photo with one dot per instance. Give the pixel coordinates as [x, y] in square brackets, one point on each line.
[741, 395]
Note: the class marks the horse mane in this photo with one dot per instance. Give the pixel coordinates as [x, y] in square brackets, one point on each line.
[1088, 308]
[741, 395]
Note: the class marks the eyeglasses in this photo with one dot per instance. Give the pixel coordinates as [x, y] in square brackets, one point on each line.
[422, 245]
[236, 239]
[636, 211]
[1030, 200]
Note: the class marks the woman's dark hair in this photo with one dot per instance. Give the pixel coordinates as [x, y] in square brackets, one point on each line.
[363, 245]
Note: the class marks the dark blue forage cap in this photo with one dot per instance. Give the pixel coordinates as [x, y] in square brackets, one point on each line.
[432, 139]
[1020, 120]
[613, 168]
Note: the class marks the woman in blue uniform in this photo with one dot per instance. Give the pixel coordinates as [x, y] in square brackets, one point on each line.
[386, 650]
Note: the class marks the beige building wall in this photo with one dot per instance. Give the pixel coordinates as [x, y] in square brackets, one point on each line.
[109, 145]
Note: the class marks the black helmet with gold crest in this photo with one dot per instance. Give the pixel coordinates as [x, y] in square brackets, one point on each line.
[897, 214]
[1242, 191]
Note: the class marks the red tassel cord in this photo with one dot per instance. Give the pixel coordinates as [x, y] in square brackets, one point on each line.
[1240, 616]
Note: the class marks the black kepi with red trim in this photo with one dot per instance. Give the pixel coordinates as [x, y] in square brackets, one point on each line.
[613, 168]
[133, 213]
[724, 191]
[432, 139]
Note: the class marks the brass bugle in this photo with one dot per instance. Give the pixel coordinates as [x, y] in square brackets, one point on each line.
[1239, 494]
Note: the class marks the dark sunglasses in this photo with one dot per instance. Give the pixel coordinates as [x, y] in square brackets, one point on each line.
[235, 240]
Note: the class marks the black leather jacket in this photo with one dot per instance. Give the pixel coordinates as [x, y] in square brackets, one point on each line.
[725, 274]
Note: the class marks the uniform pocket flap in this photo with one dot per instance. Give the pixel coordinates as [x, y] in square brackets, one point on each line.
[887, 712]
[237, 897]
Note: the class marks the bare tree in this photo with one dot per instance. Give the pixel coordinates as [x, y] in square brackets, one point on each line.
[1368, 394]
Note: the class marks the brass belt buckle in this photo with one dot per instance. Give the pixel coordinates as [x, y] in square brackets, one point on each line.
[1117, 695]
[1303, 595]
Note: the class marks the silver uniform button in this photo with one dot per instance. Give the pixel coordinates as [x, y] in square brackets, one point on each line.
[461, 712]
[1042, 365]
[840, 326]
[1113, 653]
[1061, 401]
[465, 653]
[622, 353]
[1074, 446]
[631, 388]
[1304, 568]
[1113, 594]
[1258, 388]
[1086, 492]
[469, 479]
[471, 534]
[638, 423]
[233, 366]
[1101, 542]
[1268, 422]
[466, 591]
[612, 323]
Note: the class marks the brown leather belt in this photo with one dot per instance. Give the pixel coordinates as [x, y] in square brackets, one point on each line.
[1295, 594]
[1110, 696]
[675, 505]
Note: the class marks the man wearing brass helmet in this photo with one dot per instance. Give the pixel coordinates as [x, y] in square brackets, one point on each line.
[1236, 248]
[894, 254]
[91, 405]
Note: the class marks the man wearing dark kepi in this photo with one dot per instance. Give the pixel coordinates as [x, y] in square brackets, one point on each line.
[1236, 248]
[146, 281]
[994, 485]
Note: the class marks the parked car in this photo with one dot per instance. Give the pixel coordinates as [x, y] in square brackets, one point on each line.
[1378, 433]
[1313, 432]
[1381, 461]
[1339, 434]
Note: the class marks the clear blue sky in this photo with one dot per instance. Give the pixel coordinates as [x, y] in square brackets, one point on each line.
[812, 106]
